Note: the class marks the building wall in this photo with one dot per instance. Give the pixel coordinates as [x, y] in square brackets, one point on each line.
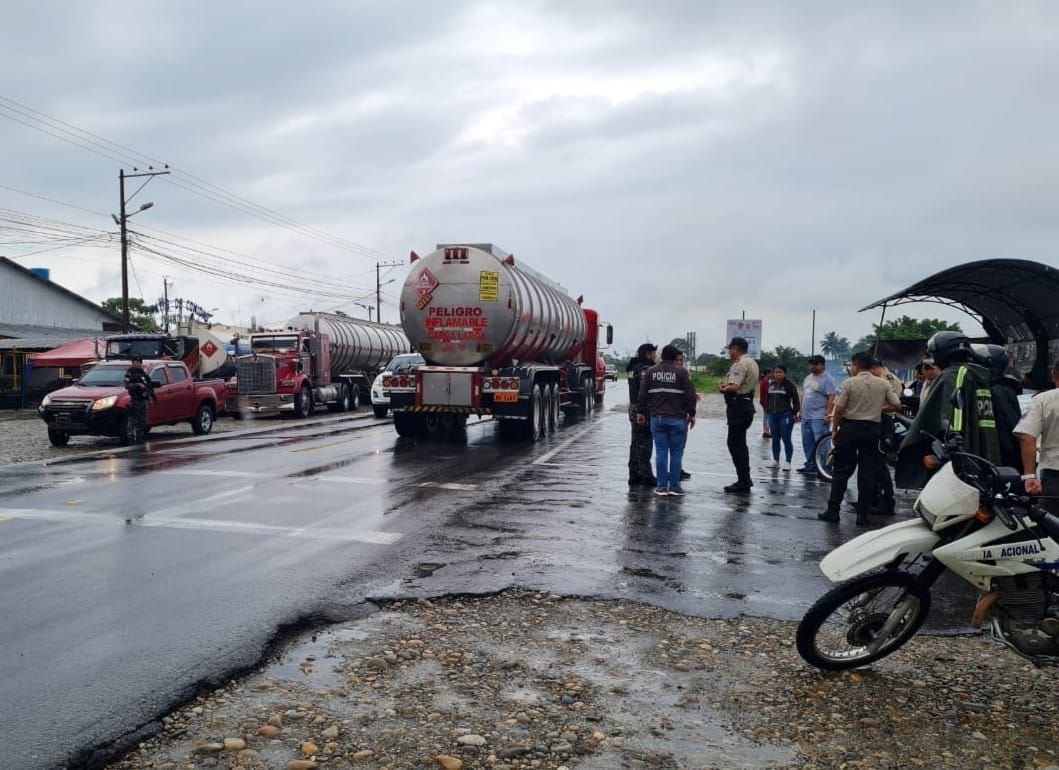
[28, 300]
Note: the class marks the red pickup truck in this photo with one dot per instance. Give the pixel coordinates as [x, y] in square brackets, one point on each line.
[97, 404]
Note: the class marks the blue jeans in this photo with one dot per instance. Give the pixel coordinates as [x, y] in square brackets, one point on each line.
[781, 425]
[671, 436]
[812, 430]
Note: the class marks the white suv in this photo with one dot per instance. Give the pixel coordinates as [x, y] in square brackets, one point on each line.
[402, 364]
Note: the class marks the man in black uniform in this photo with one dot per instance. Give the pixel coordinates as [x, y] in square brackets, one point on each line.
[140, 389]
[641, 445]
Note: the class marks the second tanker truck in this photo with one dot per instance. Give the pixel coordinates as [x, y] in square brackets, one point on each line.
[498, 339]
[316, 359]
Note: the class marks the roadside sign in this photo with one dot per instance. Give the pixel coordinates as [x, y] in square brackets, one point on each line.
[750, 330]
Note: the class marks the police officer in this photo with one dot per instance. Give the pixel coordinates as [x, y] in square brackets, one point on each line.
[1041, 423]
[641, 443]
[140, 389]
[884, 501]
[859, 407]
[1005, 389]
[738, 390]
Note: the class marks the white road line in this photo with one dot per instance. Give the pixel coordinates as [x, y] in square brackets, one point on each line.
[550, 454]
[219, 474]
[346, 479]
[449, 485]
[373, 537]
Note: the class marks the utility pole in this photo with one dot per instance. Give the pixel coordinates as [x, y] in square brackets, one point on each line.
[122, 222]
[378, 287]
[165, 302]
[812, 336]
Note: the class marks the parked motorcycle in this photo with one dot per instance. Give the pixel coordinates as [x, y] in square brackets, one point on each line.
[889, 443]
[974, 520]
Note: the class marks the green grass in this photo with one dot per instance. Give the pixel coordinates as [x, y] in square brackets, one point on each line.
[706, 383]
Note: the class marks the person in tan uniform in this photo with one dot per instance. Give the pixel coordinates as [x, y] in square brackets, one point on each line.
[859, 408]
[738, 389]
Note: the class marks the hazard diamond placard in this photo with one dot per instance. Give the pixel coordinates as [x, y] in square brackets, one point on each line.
[425, 283]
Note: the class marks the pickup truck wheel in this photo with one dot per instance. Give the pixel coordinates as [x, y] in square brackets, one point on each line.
[380, 411]
[203, 422]
[123, 431]
[303, 402]
[58, 437]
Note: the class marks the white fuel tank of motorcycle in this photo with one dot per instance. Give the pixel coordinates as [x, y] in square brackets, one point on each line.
[946, 501]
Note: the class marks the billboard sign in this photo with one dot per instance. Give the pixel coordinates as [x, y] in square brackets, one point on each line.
[748, 329]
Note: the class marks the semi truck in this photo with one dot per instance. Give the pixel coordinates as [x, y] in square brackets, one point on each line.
[204, 353]
[498, 339]
[317, 359]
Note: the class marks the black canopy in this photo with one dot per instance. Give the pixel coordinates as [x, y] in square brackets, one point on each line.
[1015, 301]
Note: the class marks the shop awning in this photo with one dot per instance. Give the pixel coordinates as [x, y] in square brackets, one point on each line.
[72, 354]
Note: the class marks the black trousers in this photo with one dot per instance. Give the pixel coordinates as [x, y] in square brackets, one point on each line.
[1050, 490]
[740, 413]
[136, 431]
[640, 447]
[856, 447]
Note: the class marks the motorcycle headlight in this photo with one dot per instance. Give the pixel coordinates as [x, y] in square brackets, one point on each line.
[104, 403]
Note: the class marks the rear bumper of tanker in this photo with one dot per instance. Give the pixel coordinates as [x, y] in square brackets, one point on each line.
[406, 402]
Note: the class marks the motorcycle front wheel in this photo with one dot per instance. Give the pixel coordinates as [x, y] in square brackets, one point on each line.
[824, 458]
[862, 621]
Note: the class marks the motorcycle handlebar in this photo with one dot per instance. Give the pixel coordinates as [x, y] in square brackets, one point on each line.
[1049, 522]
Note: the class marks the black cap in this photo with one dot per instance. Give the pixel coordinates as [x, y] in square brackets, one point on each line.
[817, 359]
[647, 347]
[876, 362]
[134, 359]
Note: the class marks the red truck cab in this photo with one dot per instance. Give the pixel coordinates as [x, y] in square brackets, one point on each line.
[97, 404]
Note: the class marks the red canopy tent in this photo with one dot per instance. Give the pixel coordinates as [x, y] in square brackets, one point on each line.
[73, 354]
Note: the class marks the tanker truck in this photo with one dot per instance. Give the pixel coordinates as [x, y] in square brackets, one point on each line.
[316, 359]
[498, 339]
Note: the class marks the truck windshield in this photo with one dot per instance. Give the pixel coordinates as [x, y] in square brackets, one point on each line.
[271, 344]
[404, 363]
[141, 348]
[104, 376]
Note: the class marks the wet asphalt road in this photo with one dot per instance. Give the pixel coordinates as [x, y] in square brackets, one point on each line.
[127, 579]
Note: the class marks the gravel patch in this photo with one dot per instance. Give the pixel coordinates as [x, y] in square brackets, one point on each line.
[25, 437]
[525, 680]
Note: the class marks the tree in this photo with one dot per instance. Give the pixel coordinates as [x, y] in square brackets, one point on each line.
[834, 346]
[141, 315]
[680, 344]
[905, 328]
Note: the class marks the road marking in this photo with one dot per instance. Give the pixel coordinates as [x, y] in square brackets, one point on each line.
[346, 479]
[323, 446]
[544, 458]
[220, 474]
[449, 485]
[372, 537]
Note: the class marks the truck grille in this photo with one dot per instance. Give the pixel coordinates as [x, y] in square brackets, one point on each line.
[256, 375]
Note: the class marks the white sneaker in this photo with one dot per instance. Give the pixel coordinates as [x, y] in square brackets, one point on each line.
[787, 467]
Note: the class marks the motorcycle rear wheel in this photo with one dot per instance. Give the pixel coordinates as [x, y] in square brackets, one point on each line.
[835, 633]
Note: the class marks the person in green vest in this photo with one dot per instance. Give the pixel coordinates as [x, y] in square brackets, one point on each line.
[960, 397]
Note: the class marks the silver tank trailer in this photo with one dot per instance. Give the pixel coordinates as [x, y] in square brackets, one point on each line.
[356, 345]
[463, 305]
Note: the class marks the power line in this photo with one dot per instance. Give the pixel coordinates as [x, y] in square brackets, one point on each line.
[79, 137]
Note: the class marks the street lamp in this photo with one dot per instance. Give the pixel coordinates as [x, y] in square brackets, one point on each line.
[369, 308]
[122, 222]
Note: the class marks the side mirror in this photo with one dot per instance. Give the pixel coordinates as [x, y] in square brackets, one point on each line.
[610, 334]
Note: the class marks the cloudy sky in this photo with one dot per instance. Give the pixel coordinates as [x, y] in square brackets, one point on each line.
[677, 163]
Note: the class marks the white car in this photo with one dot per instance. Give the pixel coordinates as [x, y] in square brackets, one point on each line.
[402, 364]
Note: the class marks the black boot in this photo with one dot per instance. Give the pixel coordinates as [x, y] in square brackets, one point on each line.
[862, 519]
[828, 515]
[739, 487]
[684, 475]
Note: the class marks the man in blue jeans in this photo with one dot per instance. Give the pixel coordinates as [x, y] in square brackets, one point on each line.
[668, 398]
[818, 401]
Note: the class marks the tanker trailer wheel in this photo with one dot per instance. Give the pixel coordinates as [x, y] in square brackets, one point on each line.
[342, 404]
[553, 407]
[586, 397]
[303, 402]
[407, 425]
[354, 398]
[532, 426]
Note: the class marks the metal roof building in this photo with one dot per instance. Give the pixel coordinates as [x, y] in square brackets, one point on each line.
[37, 315]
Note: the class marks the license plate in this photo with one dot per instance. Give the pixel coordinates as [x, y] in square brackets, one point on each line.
[505, 397]
[62, 419]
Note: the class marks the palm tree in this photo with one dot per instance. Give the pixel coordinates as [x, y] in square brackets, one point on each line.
[830, 345]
